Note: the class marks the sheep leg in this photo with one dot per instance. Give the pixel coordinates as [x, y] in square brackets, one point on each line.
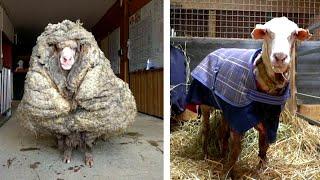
[263, 145]
[235, 152]
[205, 128]
[60, 142]
[88, 157]
[88, 140]
[223, 137]
[67, 154]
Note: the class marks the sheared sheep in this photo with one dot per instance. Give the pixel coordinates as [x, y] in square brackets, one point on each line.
[71, 91]
[250, 87]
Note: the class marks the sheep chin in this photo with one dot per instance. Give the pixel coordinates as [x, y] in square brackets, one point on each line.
[66, 66]
[279, 69]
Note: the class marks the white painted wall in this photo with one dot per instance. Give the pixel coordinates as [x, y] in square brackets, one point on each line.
[146, 36]
[110, 46]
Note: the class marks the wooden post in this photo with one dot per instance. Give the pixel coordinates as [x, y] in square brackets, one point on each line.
[124, 36]
[293, 88]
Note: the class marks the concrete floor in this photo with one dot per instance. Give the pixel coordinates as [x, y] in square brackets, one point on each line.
[138, 154]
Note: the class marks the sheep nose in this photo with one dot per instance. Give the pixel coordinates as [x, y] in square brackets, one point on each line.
[280, 57]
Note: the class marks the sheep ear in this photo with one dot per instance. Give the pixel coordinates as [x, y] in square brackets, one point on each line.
[259, 32]
[303, 34]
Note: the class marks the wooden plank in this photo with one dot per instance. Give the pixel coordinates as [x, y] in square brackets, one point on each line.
[124, 36]
[138, 92]
[150, 92]
[310, 111]
[154, 94]
[161, 95]
[143, 92]
[311, 121]
[147, 87]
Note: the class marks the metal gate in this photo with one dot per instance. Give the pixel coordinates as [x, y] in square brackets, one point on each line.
[236, 18]
[6, 91]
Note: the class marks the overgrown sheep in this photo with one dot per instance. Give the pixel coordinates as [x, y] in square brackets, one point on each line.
[71, 91]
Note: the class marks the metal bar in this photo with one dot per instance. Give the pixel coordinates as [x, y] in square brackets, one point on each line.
[5, 82]
[311, 121]
[1, 90]
[308, 73]
[311, 51]
[8, 91]
[308, 95]
[313, 27]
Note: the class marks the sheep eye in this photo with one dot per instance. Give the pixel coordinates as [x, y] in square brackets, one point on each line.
[293, 35]
[270, 33]
[56, 47]
[79, 48]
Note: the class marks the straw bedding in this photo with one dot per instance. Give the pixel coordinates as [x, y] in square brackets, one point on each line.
[295, 155]
[90, 98]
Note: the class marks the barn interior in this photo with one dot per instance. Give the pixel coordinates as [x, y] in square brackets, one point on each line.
[129, 32]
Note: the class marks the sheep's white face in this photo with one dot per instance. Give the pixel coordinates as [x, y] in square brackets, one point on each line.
[67, 58]
[279, 35]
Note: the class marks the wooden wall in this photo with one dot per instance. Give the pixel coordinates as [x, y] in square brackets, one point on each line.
[7, 55]
[147, 88]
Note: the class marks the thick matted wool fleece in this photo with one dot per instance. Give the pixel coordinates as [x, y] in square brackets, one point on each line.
[90, 98]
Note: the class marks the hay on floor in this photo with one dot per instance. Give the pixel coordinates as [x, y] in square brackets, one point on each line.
[295, 154]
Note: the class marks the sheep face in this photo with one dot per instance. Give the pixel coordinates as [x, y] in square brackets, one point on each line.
[67, 54]
[67, 58]
[279, 35]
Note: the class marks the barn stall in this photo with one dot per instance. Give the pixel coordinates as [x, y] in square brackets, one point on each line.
[119, 28]
[200, 27]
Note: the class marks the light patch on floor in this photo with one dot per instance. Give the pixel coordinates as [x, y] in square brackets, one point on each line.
[138, 154]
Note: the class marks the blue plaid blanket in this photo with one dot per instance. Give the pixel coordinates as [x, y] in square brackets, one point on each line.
[225, 80]
[229, 73]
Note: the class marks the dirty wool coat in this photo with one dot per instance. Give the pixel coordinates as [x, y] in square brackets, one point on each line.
[89, 99]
